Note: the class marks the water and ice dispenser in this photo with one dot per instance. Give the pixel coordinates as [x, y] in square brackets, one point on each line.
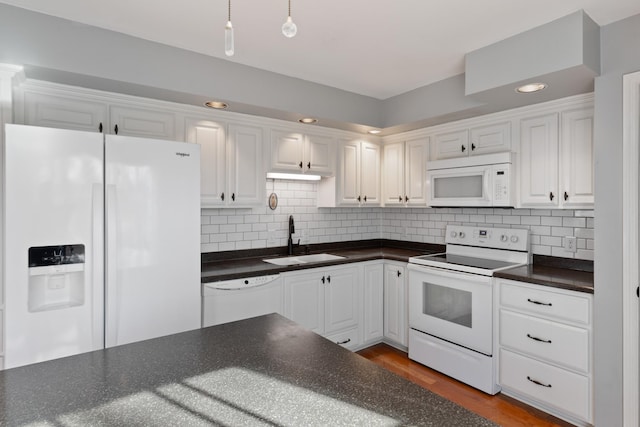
[56, 277]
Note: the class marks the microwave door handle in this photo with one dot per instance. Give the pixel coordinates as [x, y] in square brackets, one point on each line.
[487, 177]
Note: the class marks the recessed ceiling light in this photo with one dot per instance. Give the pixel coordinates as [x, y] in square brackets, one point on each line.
[308, 120]
[218, 105]
[531, 87]
[374, 131]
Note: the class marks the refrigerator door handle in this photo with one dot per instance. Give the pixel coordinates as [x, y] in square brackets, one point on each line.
[97, 264]
[111, 279]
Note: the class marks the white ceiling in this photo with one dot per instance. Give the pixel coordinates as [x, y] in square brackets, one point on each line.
[378, 48]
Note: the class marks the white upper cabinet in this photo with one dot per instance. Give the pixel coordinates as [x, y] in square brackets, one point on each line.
[357, 180]
[556, 159]
[474, 140]
[211, 136]
[80, 112]
[293, 152]
[230, 163]
[404, 172]
[245, 162]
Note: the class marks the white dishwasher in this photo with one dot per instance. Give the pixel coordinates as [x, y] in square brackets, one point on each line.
[231, 300]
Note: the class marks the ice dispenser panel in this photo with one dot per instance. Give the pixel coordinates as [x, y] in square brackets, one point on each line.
[56, 277]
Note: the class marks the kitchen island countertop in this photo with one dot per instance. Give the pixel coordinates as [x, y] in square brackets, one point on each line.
[261, 371]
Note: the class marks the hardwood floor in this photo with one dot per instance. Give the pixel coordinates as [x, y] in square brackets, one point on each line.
[500, 409]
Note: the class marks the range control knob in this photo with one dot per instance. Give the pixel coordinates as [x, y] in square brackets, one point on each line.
[461, 234]
[514, 239]
[504, 238]
[454, 234]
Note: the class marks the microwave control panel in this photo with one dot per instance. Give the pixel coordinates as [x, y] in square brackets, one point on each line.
[501, 185]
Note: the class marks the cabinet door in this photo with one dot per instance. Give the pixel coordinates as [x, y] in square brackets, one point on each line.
[451, 144]
[341, 298]
[415, 166]
[393, 173]
[64, 112]
[493, 138]
[213, 161]
[370, 174]
[246, 175]
[373, 302]
[539, 161]
[287, 151]
[304, 300]
[142, 122]
[395, 304]
[320, 153]
[576, 158]
[348, 180]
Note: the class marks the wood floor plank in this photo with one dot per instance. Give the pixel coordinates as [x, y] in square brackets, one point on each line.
[500, 409]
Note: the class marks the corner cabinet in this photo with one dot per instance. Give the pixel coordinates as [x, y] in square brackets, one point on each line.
[404, 172]
[545, 348]
[230, 163]
[293, 152]
[556, 159]
[357, 180]
[326, 301]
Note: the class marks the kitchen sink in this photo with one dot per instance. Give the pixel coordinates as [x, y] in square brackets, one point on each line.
[302, 259]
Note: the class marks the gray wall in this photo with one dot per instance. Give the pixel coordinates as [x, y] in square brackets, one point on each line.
[620, 55]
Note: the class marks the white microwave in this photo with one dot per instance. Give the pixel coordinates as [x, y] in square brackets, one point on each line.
[475, 181]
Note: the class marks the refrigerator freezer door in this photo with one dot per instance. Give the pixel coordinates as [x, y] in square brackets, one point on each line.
[152, 238]
[53, 204]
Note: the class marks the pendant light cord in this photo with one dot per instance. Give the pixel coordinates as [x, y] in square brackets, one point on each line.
[289, 7]
[230, 10]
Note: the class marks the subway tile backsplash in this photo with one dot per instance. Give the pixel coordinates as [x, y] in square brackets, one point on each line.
[235, 229]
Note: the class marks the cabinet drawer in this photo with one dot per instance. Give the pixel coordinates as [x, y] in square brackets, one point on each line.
[555, 342]
[347, 339]
[568, 392]
[573, 308]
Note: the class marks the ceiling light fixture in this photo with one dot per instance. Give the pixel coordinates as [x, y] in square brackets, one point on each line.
[218, 105]
[531, 87]
[289, 29]
[308, 120]
[374, 131]
[293, 176]
[228, 35]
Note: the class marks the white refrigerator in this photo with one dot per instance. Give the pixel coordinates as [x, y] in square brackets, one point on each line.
[102, 241]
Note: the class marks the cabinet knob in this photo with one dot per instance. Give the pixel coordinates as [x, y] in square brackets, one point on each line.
[399, 274]
[473, 146]
[328, 279]
[463, 148]
[566, 196]
[222, 196]
[115, 129]
[365, 198]
[309, 165]
[400, 199]
[100, 127]
[406, 198]
[359, 198]
[300, 164]
[551, 196]
[233, 197]
[323, 280]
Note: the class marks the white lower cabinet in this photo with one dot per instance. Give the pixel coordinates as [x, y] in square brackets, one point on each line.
[327, 301]
[373, 307]
[396, 316]
[545, 348]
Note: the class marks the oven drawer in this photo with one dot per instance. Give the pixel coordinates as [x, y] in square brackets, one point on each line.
[558, 343]
[347, 339]
[556, 305]
[552, 386]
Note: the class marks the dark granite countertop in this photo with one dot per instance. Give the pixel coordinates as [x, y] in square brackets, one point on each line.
[239, 264]
[261, 371]
[573, 275]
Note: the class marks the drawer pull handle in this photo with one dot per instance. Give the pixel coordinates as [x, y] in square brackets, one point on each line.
[348, 340]
[538, 382]
[532, 301]
[538, 339]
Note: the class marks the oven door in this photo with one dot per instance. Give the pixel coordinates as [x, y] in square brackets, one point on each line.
[453, 306]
